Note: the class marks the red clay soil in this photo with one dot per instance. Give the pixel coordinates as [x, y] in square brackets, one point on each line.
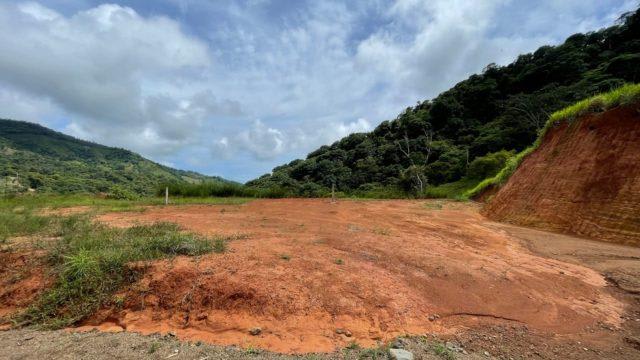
[315, 276]
[22, 279]
[584, 179]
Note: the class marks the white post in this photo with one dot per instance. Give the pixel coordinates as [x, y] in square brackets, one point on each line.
[333, 192]
[166, 195]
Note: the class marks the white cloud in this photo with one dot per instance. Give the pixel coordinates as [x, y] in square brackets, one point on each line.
[262, 141]
[19, 106]
[186, 87]
[268, 143]
[112, 70]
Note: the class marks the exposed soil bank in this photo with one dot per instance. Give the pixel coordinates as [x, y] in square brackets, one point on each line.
[374, 269]
[584, 179]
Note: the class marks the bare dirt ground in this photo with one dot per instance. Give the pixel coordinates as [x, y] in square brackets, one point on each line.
[316, 276]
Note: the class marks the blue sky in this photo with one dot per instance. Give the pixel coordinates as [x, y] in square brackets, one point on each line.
[234, 88]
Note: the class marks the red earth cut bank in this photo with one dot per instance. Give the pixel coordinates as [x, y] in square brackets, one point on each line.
[584, 179]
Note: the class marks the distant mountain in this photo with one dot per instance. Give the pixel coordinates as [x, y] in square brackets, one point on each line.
[503, 108]
[35, 158]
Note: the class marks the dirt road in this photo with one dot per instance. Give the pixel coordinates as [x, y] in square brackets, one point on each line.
[316, 276]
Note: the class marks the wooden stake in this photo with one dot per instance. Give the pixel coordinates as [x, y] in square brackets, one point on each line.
[166, 195]
[333, 192]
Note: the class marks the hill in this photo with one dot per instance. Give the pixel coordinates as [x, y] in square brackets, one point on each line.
[35, 157]
[581, 176]
[466, 133]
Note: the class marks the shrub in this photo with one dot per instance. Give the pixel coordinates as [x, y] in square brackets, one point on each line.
[489, 165]
[118, 192]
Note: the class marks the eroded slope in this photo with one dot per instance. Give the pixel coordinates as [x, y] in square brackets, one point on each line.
[584, 179]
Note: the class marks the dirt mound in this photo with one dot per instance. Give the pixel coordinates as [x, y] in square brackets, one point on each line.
[315, 276]
[22, 279]
[584, 179]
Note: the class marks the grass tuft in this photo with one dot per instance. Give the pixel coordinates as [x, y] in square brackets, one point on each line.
[442, 351]
[91, 262]
[219, 246]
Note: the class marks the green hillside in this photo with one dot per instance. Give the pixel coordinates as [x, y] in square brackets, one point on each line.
[467, 133]
[34, 157]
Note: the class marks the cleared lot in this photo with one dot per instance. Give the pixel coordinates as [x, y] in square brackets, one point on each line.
[316, 276]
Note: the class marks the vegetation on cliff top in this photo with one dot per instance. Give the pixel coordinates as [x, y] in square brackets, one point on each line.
[624, 95]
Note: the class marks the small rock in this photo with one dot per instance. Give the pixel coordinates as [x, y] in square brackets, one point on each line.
[400, 354]
[486, 353]
[344, 332]
[453, 346]
[255, 331]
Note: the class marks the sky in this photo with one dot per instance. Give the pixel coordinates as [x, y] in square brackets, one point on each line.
[234, 88]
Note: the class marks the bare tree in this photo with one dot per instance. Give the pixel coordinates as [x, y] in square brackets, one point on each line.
[533, 112]
[416, 171]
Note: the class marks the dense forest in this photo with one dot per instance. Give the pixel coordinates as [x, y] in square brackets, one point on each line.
[34, 158]
[467, 133]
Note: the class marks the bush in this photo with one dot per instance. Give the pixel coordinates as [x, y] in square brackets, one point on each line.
[489, 165]
[118, 192]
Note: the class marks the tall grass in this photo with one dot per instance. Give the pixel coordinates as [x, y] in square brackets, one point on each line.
[91, 262]
[621, 96]
[18, 220]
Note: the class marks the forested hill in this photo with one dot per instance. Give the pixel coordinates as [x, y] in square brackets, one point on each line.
[37, 158]
[503, 108]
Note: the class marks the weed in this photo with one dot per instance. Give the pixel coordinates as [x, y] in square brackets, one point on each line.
[154, 347]
[339, 262]
[219, 245]
[251, 351]
[352, 346]
[91, 264]
[118, 301]
[285, 257]
[444, 352]
[373, 353]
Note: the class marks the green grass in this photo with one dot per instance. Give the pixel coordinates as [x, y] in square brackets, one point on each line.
[88, 260]
[443, 352]
[17, 219]
[454, 190]
[91, 259]
[154, 347]
[219, 245]
[23, 215]
[624, 95]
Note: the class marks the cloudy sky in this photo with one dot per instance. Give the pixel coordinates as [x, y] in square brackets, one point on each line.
[234, 88]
